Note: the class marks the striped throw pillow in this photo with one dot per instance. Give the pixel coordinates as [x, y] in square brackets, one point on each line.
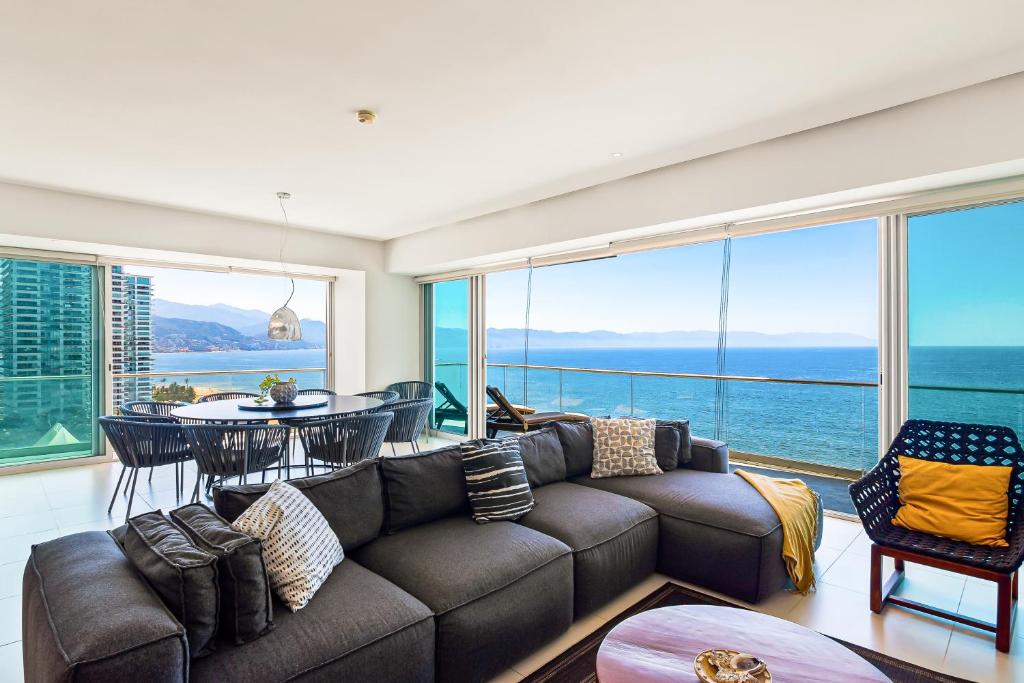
[496, 480]
[299, 547]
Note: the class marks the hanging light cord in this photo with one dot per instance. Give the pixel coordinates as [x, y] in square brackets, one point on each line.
[281, 196]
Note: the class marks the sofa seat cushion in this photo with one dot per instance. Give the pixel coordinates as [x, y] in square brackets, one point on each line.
[453, 561]
[715, 530]
[498, 590]
[614, 539]
[358, 622]
[724, 501]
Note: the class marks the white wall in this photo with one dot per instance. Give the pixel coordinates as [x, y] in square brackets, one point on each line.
[914, 145]
[393, 332]
[35, 218]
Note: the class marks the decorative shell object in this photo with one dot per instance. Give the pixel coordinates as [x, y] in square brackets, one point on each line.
[730, 666]
[284, 392]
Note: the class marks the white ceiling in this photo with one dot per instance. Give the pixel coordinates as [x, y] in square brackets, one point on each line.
[482, 104]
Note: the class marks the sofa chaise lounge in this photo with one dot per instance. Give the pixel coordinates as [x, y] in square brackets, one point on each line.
[424, 593]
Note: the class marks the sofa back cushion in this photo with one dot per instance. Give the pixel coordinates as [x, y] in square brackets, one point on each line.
[184, 576]
[542, 456]
[351, 499]
[577, 439]
[666, 446]
[423, 487]
[685, 442]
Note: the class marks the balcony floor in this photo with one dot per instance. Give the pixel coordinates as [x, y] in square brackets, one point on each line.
[834, 492]
[39, 506]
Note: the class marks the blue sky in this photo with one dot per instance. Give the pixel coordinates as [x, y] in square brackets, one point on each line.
[812, 280]
[966, 277]
[242, 291]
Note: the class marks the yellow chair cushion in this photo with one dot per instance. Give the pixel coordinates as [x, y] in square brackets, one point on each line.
[963, 502]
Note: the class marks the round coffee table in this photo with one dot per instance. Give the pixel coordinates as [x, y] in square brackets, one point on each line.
[660, 644]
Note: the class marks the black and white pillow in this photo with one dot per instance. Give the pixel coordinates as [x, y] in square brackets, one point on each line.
[299, 547]
[496, 480]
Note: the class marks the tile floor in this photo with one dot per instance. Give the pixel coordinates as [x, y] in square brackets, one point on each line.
[38, 506]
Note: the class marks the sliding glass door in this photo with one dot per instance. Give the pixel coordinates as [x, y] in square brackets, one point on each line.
[50, 360]
[448, 359]
[966, 315]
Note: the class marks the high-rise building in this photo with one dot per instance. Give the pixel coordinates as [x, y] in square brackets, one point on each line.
[131, 334]
[47, 347]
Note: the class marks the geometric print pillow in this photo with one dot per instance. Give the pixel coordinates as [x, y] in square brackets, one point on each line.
[299, 547]
[623, 447]
[496, 481]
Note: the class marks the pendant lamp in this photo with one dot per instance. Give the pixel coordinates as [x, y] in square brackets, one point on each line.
[284, 324]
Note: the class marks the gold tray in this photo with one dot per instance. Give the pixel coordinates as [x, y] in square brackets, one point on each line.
[708, 668]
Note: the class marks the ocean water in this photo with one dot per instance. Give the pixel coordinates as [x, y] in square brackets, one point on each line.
[828, 425]
[240, 360]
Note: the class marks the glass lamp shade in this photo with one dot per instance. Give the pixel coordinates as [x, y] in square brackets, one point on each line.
[284, 325]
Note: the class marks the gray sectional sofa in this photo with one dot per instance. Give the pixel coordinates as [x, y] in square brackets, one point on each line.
[424, 593]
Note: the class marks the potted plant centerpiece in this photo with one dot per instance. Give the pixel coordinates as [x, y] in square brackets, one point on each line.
[280, 391]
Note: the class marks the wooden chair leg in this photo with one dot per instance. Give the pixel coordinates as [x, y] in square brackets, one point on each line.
[1004, 612]
[876, 579]
[1014, 586]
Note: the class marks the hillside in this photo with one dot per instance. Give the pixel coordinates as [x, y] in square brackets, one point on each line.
[179, 334]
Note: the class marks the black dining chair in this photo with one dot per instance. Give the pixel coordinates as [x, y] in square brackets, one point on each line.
[226, 396]
[408, 391]
[343, 441]
[223, 451]
[150, 408]
[385, 396]
[146, 441]
[410, 418]
[316, 392]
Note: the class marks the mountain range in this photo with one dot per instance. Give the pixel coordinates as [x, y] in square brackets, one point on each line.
[220, 327]
[512, 338]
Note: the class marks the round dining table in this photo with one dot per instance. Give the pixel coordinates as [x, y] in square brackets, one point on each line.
[230, 410]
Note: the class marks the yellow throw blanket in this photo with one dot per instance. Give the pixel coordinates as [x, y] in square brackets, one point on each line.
[797, 508]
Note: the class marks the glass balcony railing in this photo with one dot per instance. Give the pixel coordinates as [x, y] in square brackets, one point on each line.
[825, 425]
[191, 386]
[47, 418]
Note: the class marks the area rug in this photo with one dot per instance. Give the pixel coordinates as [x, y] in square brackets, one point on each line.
[578, 663]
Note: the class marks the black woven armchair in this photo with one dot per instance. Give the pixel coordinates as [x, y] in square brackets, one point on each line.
[876, 497]
[145, 441]
[226, 396]
[223, 451]
[410, 418]
[409, 391]
[344, 441]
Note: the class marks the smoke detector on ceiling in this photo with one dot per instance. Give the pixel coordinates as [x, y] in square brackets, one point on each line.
[365, 116]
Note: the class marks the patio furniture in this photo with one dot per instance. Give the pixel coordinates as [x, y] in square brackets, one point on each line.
[235, 450]
[451, 409]
[508, 419]
[410, 418]
[145, 441]
[660, 645]
[385, 396]
[409, 391]
[344, 441]
[876, 497]
[316, 392]
[226, 396]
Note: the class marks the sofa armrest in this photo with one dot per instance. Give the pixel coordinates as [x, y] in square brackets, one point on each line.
[708, 455]
[87, 615]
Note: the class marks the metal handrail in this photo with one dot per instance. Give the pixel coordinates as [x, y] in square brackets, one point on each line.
[743, 378]
[685, 375]
[186, 373]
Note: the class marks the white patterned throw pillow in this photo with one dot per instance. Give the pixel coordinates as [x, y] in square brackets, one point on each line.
[299, 547]
[623, 447]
